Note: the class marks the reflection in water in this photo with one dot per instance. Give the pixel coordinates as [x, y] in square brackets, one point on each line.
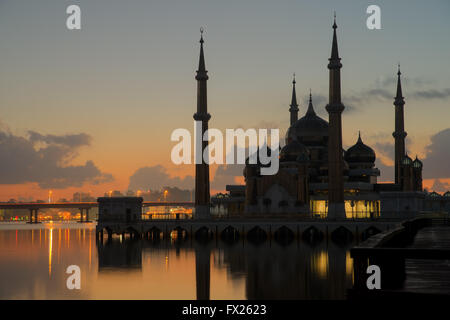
[202, 272]
[117, 254]
[50, 246]
[297, 271]
[319, 264]
[176, 268]
[348, 264]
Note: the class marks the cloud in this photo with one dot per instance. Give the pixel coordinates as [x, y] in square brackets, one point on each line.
[157, 177]
[70, 140]
[440, 186]
[432, 94]
[436, 164]
[45, 160]
[373, 93]
[391, 81]
[225, 174]
[320, 101]
[385, 148]
[384, 89]
[387, 172]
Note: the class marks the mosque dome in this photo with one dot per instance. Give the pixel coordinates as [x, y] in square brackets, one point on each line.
[360, 152]
[294, 151]
[406, 160]
[417, 163]
[309, 125]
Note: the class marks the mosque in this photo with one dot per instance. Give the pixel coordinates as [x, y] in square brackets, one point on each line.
[318, 178]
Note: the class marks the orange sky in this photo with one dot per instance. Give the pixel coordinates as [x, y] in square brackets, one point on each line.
[127, 80]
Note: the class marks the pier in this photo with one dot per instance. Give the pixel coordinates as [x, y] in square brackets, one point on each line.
[248, 228]
[413, 259]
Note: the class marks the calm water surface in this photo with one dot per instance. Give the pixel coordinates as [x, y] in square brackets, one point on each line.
[34, 258]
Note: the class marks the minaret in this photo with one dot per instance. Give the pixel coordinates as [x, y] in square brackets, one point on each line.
[294, 106]
[336, 208]
[202, 197]
[399, 134]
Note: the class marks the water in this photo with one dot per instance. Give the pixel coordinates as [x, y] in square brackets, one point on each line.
[34, 258]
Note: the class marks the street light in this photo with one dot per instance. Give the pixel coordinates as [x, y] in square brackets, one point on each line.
[165, 200]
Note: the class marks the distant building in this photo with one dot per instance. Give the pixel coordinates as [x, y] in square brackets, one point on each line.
[82, 197]
[231, 203]
[119, 209]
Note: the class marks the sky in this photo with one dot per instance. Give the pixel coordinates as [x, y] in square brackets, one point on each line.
[93, 109]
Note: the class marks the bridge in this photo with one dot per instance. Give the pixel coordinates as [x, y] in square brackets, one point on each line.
[34, 207]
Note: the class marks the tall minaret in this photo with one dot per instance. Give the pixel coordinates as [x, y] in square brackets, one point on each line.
[202, 197]
[336, 208]
[294, 106]
[399, 134]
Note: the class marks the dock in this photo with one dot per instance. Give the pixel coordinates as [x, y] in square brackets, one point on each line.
[414, 260]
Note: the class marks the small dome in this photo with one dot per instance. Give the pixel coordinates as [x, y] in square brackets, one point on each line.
[294, 150]
[406, 160]
[360, 153]
[417, 163]
[309, 125]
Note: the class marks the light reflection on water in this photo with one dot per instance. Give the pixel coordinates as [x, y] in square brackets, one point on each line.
[34, 258]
